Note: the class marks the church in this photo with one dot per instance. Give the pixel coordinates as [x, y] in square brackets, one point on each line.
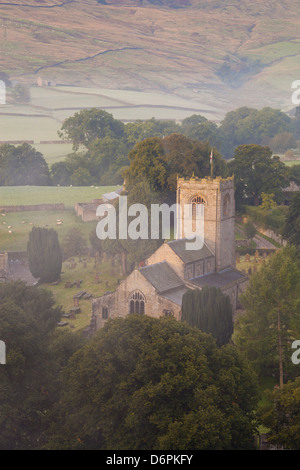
[156, 289]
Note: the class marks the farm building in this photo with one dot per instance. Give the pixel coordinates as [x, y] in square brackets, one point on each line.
[87, 210]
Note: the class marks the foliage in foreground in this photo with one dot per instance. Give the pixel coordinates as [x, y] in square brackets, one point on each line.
[28, 381]
[145, 383]
[272, 318]
[281, 415]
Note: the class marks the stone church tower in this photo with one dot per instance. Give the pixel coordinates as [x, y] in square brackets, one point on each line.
[216, 196]
[157, 287]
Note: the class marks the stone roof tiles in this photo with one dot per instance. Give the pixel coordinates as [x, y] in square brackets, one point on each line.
[219, 279]
[161, 276]
[188, 256]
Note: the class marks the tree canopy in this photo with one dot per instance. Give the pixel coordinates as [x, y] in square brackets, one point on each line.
[159, 161]
[291, 228]
[22, 165]
[88, 125]
[256, 171]
[281, 416]
[73, 244]
[28, 318]
[272, 315]
[44, 254]
[146, 383]
[134, 251]
[251, 126]
[102, 143]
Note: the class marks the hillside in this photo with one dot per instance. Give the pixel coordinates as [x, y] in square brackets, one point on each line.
[217, 54]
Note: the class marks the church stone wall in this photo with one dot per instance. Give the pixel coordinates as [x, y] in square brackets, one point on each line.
[165, 253]
[117, 303]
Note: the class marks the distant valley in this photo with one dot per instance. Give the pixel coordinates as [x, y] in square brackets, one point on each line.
[215, 55]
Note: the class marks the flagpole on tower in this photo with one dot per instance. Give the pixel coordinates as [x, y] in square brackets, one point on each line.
[211, 164]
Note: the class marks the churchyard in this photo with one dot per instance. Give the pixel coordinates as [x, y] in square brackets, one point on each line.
[14, 232]
[81, 278]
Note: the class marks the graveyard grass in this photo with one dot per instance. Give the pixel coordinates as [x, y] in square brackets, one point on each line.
[97, 278]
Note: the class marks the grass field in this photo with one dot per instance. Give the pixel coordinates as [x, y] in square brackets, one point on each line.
[34, 128]
[42, 117]
[21, 223]
[53, 152]
[68, 195]
[292, 162]
[86, 271]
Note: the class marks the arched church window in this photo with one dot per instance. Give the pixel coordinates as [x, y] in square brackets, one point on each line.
[226, 204]
[137, 303]
[197, 203]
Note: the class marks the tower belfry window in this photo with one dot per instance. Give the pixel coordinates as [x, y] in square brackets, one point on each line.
[197, 204]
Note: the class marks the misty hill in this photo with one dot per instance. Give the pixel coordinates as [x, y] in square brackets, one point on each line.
[223, 54]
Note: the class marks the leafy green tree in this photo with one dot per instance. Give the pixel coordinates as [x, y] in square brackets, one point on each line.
[245, 126]
[185, 156]
[106, 159]
[73, 244]
[139, 130]
[88, 125]
[61, 173]
[209, 310]
[22, 165]
[102, 163]
[146, 383]
[282, 142]
[44, 254]
[272, 313]
[267, 201]
[256, 172]
[134, 251]
[294, 173]
[249, 230]
[291, 228]
[147, 164]
[159, 161]
[29, 380]
[281, 416]
[197, 127]
[81, 177]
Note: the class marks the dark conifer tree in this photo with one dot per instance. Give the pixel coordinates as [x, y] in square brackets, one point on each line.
[210, 311]
[44, 254]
